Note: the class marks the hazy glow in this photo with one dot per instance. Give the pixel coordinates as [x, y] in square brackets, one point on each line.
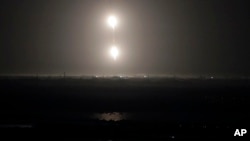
[114, 52]
[112, 21]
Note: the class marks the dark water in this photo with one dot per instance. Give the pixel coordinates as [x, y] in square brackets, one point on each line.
[132, 108]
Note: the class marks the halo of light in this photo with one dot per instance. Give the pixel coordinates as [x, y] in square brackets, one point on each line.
[112, 21]
[114, 52]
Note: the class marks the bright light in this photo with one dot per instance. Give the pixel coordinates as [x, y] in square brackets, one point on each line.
[112, 21]
[114, 52]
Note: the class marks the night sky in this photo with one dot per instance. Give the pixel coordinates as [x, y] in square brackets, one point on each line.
[154, 36]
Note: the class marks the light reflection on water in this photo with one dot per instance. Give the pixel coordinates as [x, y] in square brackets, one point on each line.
[113, 116]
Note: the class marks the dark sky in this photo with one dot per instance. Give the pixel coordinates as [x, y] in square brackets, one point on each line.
[154, 36]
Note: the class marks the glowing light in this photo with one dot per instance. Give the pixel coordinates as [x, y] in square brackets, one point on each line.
[114, 52]
[112, 21]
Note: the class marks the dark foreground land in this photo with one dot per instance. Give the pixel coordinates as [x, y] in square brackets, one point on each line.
[124, 109]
